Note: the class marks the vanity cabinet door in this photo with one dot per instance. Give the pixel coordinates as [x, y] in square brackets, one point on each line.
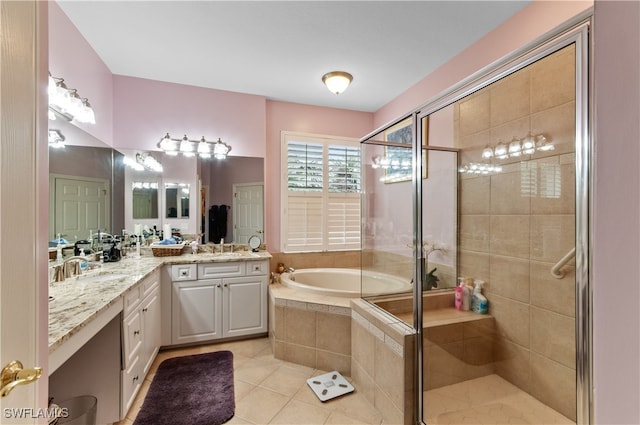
[132, 335]
[196, 311]
[244, 305]
[151, 319]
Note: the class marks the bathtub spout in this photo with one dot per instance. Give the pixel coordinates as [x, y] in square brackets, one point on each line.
[289, 270]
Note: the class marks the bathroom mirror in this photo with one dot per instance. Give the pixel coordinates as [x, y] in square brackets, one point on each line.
[145, 200]
[177, 200]
[89, 164]
[232, 199]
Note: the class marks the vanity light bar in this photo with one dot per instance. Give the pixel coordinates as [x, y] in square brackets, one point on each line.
[189, 148]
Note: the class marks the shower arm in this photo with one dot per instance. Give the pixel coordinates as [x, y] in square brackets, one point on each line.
[555, 270]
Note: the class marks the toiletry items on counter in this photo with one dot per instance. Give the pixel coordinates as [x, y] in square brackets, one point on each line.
[467, 289]
[478, 301]
[458, 294]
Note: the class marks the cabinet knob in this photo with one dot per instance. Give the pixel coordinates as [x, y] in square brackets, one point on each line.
[218, 285]
[136, 332]
[144, 310]
[225, 285]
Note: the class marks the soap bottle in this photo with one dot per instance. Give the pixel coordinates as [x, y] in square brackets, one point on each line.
[458, 294]
[466, 293]
[479, 301]
[83, 263]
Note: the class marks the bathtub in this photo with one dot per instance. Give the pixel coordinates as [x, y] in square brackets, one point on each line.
[344, 282]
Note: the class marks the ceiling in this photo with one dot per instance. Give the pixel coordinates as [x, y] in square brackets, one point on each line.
[281, 49]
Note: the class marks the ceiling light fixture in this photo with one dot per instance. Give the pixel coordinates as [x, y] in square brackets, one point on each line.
[337, 81]
[68, 103]
[56, 139]
[189, 148]
[143, 161]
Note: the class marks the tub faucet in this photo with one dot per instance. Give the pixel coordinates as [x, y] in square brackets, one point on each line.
[289, 270]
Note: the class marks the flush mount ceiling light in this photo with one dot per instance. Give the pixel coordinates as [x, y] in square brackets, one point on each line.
[204, 148]
[337, 81]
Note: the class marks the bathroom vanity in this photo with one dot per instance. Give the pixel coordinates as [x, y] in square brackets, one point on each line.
[106, 327]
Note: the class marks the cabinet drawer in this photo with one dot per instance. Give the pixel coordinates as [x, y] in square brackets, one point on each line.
[180, 272]
[131, 300]
[217, 270]
[150, 283]
[257, 268]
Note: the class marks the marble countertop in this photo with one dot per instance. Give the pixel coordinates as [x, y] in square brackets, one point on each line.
[77, 301]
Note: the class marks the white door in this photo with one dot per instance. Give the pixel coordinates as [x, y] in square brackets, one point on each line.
[248, 215]
[81, 206]
[24, 204]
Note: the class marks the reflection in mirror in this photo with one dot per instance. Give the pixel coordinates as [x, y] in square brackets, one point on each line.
[100, 204]
[177, 200]
[232, 201]
[145, 200]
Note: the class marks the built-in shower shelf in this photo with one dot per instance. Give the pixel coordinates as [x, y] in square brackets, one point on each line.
[443, 317]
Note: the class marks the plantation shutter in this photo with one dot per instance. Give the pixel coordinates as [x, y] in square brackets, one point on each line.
[322, 196]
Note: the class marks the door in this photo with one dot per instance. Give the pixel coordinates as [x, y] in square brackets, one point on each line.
[23, 198]
[81, 206]
[196, 311]
[245, 305]
[248, 215]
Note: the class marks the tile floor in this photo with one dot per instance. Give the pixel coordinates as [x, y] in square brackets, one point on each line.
[271, 391]
[487, 400]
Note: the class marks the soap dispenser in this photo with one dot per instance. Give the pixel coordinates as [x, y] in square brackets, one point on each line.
[479, 301]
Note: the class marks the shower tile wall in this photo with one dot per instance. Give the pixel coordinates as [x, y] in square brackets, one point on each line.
[515, 225]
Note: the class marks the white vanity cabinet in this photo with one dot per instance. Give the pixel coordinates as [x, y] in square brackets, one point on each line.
[140, 336]
[225, 299]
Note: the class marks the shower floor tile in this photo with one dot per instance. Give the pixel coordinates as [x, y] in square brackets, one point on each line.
[487, 400]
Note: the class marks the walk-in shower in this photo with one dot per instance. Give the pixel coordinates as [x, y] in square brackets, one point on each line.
[489, 182]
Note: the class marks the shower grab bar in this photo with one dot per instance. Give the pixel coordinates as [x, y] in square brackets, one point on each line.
[555, 270]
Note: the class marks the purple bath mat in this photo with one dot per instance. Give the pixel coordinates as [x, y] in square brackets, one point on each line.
[190, 390]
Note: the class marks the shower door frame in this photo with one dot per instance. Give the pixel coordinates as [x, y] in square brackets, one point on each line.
[575, 31]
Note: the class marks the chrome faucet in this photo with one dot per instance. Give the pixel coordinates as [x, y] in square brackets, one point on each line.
[289, 270]
[70, 267]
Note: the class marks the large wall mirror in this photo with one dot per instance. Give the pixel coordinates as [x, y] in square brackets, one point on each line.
[232, 199]
[145, 200]
[86, 186]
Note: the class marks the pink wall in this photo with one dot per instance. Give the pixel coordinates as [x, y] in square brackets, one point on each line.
[283, 116]
[524, 27]
[144, 110]
[71, 58]
[616, 213]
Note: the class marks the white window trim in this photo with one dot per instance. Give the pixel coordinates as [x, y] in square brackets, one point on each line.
[326, 140]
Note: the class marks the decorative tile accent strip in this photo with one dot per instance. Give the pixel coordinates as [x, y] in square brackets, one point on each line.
[297, 304]
[318, 307]
[343, 311]
[395, 347]
[376, 332]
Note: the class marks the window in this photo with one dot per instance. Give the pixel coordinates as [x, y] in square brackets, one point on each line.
[320, 193]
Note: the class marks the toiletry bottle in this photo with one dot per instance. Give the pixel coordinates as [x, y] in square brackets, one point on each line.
[479, 301]
[466, 293]
[458, 295]
[83, 263]
[59, 252]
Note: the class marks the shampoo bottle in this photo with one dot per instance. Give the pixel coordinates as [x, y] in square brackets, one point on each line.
[479, 301]
[458, 294]
[466, 294]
